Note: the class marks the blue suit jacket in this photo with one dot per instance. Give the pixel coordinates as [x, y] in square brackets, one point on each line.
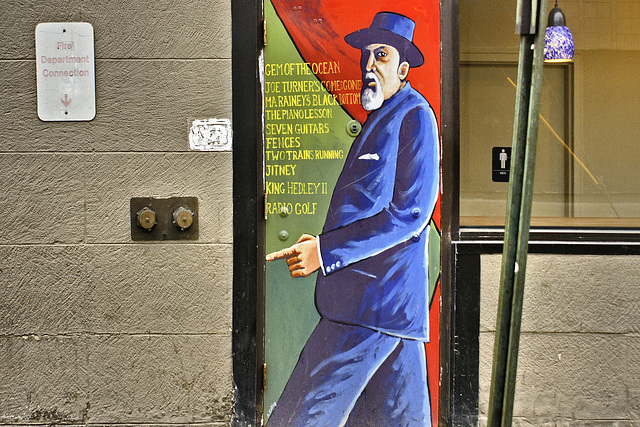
[373, 246]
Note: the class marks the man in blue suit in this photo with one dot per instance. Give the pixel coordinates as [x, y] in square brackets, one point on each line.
[365, 362]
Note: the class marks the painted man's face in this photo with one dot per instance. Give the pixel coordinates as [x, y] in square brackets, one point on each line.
[382, 74]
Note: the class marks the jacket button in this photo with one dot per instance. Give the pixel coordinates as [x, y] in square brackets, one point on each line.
[415, 212]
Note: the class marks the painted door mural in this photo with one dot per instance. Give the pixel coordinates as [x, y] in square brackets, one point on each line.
[352, 106]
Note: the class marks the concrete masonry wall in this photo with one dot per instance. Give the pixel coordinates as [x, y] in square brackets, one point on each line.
[95, 328]
[579, 360]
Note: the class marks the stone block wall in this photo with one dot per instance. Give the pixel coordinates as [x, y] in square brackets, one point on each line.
[95, 328]
[579, 360]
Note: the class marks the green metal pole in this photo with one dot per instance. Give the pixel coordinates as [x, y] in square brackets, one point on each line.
[514, 198]
[518, 217]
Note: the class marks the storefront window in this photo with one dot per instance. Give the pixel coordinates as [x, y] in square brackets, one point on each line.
[588, 164]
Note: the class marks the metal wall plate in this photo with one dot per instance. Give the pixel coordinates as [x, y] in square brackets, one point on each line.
[165, 227]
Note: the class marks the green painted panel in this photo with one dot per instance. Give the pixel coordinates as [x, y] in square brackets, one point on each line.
[303, 158]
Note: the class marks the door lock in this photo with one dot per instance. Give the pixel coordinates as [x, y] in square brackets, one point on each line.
[353, 128]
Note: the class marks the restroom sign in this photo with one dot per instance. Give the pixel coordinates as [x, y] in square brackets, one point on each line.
[501, 164]
[65, 69]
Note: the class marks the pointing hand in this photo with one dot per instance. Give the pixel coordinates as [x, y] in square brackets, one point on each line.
[302, 258]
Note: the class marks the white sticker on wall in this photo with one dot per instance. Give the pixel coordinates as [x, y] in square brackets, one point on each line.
[210, 135]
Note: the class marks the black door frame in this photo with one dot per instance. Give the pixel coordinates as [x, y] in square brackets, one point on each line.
[248, 227]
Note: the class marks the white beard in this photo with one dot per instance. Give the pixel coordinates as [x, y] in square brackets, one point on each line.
[371, 97]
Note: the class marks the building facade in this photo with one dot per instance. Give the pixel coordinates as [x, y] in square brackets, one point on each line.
[100, 327]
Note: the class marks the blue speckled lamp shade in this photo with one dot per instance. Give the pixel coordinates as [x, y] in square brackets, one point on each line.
[558, 44]
[558, 41]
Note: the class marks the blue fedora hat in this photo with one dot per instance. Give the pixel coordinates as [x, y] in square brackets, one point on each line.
[389, 28]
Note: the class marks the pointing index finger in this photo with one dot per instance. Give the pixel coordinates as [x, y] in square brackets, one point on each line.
[283, 253]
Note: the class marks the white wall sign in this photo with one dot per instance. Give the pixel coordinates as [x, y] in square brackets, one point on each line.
[65, 68]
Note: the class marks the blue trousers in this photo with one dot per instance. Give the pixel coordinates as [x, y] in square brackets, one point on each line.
[354, 376]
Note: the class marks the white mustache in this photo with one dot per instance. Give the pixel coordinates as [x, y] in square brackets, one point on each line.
[371, 96]
[371, 76]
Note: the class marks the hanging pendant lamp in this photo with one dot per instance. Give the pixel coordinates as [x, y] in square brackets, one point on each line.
[558, 41]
